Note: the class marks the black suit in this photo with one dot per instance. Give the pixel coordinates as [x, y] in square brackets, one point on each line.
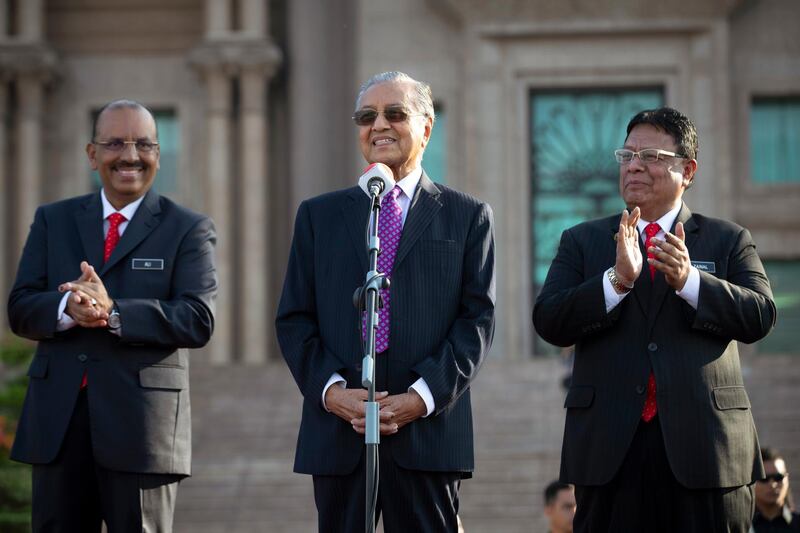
[703, 409]
[442, 322]
[138, 392]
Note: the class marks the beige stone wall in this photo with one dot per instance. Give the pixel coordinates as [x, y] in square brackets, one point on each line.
[765, 51]
[481, 58]
[425, 40]
[143, 27]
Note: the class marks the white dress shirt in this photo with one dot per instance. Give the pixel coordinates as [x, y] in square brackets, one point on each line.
[690, 290]
[65, 321]
[408, 186]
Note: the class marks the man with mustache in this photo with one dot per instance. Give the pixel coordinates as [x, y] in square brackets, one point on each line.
[436, 326]
[113, 285]
[659, 435]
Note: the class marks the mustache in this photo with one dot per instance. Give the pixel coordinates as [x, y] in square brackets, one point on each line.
[129, 166]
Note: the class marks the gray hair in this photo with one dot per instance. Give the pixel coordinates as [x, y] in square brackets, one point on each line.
[422, 100]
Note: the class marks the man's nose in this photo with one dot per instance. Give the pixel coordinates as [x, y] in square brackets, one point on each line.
[129, 153]
[380, 122]
[636, 163]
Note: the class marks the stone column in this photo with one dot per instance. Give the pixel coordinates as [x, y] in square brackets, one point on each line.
[253, 18]
[218, 189]
[254, 272]
[31, 20]
[218, 18]
[3, 20]
[30, 95]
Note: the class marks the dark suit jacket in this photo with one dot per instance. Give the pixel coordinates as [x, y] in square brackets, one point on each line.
[442, 322]
[138, 389]
[703, 408]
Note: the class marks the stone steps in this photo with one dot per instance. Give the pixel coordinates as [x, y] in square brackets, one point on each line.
[246, 420]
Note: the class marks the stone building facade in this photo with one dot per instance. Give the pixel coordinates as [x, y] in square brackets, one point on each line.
[257, 96]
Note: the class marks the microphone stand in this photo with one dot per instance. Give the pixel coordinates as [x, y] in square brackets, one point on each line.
[374, 281]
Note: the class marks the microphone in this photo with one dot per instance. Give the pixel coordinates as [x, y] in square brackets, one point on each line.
[377, 180]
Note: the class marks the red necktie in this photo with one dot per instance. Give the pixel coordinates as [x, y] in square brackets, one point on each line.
[650, 408]
[651, 230]
[112, 237]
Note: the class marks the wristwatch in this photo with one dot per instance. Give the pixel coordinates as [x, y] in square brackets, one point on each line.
[114, 322]
[612, 277]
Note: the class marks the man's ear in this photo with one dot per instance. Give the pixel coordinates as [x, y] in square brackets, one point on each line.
[91, 152]
[426, 137]
[689, 169]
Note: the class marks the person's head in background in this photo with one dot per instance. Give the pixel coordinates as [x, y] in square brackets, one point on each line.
[559, 506]
[772, 492]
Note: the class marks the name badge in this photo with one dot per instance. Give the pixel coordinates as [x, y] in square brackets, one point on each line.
[147, 264]
[705, 266]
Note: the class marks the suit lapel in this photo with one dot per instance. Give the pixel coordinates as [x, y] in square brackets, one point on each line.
[424, 206]
[90, 228]
[144, 221]
[356, 214]
[689, 226]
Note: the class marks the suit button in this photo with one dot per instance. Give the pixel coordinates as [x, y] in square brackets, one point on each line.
[652, 347]
[83, 358]
[640, 389]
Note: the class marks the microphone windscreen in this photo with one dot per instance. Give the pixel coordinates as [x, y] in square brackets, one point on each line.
[377, 171]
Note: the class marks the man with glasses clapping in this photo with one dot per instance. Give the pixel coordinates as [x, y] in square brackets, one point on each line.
[659, 435]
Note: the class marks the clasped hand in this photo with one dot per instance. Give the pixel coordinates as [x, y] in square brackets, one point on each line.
[396, 410]
[89, 303]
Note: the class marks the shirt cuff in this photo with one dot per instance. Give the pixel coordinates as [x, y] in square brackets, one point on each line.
[334, 379]
[425, 393]
[612, 297]
[63, 320]
[691, 289]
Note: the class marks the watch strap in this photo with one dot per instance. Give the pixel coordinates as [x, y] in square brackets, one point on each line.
[616, 283]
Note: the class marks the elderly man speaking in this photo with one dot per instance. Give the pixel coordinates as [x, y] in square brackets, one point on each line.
[437, 325]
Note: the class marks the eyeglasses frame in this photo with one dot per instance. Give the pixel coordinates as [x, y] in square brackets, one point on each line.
[659, 153]
[125, 144]
[408, 116]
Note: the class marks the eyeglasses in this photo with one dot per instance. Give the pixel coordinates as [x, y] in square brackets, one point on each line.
[777, 477]
[648, 155]
[118, 145]
[367, 117]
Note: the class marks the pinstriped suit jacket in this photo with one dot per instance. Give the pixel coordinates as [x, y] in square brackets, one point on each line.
[704, 410]
[138, 390]
[442, 322]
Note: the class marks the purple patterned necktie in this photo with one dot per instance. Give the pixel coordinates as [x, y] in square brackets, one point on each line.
[390, 228]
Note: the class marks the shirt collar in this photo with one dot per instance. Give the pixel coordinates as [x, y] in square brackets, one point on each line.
[787, 514]
[128, 211]
[665, 222]
[409, 183]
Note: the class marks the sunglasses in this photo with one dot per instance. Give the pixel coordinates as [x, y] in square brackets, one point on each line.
[367, 117]
[776, 477]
